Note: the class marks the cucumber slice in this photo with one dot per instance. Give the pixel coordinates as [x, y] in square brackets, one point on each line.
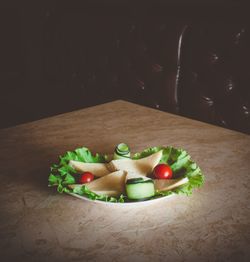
[139, 189]
[135, 180]
[121, 151]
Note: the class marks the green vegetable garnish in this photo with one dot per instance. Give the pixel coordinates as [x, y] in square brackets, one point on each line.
[121, 151]
[140, 190]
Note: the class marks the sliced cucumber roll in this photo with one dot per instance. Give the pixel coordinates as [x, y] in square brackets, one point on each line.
[140, 188]
[121, 151]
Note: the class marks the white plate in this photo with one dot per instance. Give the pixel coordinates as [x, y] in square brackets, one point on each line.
[136, 203]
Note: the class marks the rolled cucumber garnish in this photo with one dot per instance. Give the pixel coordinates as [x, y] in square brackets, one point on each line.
[121, 151]
[140, 189]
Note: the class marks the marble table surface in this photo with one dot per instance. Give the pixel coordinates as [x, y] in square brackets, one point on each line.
[38, 224]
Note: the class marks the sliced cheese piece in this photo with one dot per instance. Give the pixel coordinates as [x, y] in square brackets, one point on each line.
[101, 192]
[168, 184]
[114, 181]
[143, 166]
[97, 169]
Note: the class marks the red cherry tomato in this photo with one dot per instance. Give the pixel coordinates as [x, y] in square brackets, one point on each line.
[86, 177]
[162, 171]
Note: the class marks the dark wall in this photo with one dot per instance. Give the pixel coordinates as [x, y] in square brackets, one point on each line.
[58, 56]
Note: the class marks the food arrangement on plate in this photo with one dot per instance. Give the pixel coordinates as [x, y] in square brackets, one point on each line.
[123, 177]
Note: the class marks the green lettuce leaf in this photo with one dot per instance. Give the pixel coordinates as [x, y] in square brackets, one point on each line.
[182, 166]
[62, 174]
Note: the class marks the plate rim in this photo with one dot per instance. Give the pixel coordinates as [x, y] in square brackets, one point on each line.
[120, 203]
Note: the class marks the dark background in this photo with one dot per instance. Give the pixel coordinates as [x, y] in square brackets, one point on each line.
[58, 56]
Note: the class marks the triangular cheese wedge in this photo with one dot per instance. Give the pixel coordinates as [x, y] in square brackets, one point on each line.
[168, 184]
[114, 182]
[142, 166]
[97, 169]
[101, 192]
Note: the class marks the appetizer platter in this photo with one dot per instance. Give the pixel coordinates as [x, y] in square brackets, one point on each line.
[123, 177]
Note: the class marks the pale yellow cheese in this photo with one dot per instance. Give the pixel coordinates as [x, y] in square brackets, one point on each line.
[143, 166]
[97, 169]
[114, 182]
[100, 193]
[168, 184]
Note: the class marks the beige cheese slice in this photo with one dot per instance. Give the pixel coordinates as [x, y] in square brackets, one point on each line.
[168, 184]
[97, 169]
[101, 192]
[142, 166]
[113, 184]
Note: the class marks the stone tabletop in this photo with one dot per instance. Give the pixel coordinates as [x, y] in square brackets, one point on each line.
[38, 224]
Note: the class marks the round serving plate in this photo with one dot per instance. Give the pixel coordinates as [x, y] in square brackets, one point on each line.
[118, 204]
